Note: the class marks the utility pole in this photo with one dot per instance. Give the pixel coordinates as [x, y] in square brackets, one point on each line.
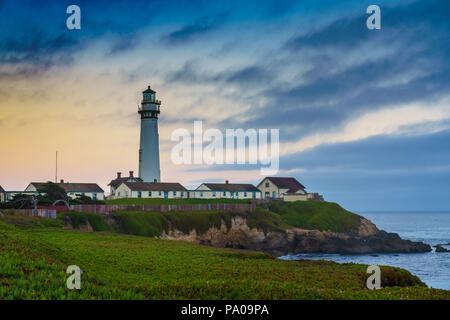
[56, 171]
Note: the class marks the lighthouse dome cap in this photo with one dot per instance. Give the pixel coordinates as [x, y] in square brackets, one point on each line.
[148, 90]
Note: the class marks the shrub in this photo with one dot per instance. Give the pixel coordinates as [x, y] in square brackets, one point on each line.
[141, 223]
[79, 218]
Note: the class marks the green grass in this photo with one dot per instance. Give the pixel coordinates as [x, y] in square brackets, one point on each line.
[301, 214]
[141, 223]
[316, 215]
[158, 201]
[26, 221]
[33, 261]
[147, 223]
[78, 219]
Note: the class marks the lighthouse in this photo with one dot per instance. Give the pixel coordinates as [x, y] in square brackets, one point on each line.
[149, 145]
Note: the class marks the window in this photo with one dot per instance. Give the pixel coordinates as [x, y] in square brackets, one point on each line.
[254, 195]
[201, 193]
[224, 194]
[182, 193]
[214, 194]
[139, 194]
[94, 196]
[159, 193]
[245, 194]
[149, 193]
[174, 193]
[267, 184]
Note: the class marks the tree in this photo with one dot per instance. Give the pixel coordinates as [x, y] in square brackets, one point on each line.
[83, 199]
[53, 192]
[21, 201]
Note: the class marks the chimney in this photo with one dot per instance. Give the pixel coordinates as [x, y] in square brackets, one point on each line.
[226, 181]
[155, 180]
[119, 174]
[149, 87]
[131, 174]
[62, 180]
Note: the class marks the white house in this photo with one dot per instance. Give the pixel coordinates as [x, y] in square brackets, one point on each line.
[278, 187]
[226, 191]
[91, 190]
[2, 194]
[286, 188]
[164, 190]
[118, 181]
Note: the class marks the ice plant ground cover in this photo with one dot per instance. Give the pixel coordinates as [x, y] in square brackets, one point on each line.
[34, 256]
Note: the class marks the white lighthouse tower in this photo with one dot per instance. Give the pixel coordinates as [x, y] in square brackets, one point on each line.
[149, 147]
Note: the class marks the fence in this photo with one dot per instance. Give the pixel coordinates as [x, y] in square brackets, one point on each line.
[57, 208]
[109, 208]
[42, 213]
[105, 209]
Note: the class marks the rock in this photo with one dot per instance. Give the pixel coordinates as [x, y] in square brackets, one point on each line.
[439, 248]
[366, 228]
[367, 239]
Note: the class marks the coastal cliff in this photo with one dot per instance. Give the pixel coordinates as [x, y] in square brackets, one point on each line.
[277, 229]
[366, 239]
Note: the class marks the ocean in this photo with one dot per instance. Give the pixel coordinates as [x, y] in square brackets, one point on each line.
[433, 228]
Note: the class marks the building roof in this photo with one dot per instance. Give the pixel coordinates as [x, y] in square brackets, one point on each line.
[118, 181]
[286, 183]
[148, 90]
[1, 189]
[72, 187]
[155, 186]
[232, 187]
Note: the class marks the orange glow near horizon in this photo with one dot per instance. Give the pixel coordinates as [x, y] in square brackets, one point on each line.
[92, 121]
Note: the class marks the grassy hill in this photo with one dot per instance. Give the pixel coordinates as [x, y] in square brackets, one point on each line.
[35, 255]
[279, 216]
[316, 215]
[152, 224]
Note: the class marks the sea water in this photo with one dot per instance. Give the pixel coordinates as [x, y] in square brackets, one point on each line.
[433, 228]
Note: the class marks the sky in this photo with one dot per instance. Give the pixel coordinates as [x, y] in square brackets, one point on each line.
[363, 115]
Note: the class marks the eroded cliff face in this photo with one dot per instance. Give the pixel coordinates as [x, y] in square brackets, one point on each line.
[366, 239]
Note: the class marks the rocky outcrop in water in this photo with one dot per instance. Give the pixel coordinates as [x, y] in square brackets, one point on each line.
[366, 239]
[440, 248]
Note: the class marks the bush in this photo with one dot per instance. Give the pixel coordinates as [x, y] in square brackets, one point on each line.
[141, 223]
[79, 218]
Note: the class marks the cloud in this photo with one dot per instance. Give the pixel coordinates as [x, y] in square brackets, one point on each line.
[382, 122]
[379, 172]
[35, 48]
[344, 69]
[122, 44]
[191, 31]
[191, 73]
